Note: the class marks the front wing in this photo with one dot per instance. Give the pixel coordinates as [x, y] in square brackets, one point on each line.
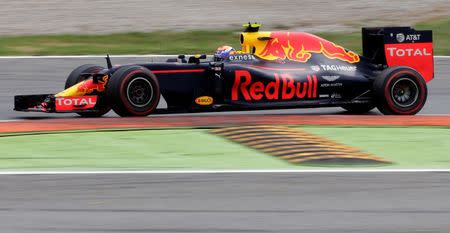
[50, 103]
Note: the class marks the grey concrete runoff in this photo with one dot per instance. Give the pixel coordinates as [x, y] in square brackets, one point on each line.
[100, 16]
[20, 76]
[256, 202]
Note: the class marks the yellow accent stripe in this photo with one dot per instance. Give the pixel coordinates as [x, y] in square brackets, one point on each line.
[308, 154]
[269, 148]
[299, 160]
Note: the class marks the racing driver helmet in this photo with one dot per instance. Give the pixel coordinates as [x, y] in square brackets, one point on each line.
[223, 52]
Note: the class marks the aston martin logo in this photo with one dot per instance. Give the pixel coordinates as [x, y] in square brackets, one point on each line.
[330, 78]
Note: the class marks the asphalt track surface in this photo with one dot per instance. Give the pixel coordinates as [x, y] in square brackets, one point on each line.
[47, 75]
[254, 202]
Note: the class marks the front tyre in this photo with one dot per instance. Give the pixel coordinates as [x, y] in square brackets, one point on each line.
[133, 91]
[400, 91]
[75, 77]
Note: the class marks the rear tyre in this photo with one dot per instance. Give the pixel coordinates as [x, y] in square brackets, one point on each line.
[400, 91]
[133, 91]
[358, 108]
[75, 77]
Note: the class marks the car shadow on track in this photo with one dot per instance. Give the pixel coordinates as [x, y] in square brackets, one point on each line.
[228, 113]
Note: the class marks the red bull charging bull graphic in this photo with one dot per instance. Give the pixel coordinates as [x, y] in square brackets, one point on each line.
[85, 87]
[299, 46]
[89, 86]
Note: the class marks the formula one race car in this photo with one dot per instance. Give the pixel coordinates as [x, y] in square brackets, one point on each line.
[273, 70]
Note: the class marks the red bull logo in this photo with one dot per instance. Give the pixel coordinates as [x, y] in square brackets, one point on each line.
[84, 87]
[89, 86]
[299, 46]
[284, 87]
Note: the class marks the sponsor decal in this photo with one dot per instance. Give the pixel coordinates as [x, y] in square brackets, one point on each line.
[336, 95]
[409, 52]
[217, 68]
[283, 87]
[75, 103]
[315, 68]
[299, 46]
[85, 87]
[89, 86]
[241, 57]
[338, 68]
[409, 37]
[400, 37]
[204, 100]
[324, 96]
[331, 78]
[331, 85]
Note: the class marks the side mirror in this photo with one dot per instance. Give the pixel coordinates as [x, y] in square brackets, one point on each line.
[196, 58]
[182, 58]
[200, 56]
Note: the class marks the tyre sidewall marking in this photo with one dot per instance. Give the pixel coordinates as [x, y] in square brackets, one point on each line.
[391, 103]
[128, 93]
[123, 94]
[416, 96]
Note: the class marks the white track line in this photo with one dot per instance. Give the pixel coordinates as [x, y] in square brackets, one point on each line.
[221, 171]
[11, 120]
[175, 115]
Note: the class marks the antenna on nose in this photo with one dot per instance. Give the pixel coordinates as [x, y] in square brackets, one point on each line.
[251, 27]
[108, 61]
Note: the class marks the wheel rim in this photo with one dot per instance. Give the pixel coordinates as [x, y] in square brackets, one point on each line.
[404, 92]
[140, 92]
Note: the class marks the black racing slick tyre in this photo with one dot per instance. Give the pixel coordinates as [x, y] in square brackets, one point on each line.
[400, 91]
[133, 91]
[75, 77]
[358, 108]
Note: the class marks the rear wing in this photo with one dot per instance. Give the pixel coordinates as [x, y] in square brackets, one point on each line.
[400, 46]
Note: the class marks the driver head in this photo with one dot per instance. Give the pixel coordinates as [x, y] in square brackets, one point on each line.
[223, 52]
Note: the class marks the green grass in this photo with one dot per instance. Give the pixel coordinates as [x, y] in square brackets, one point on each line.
[408, 147]
[164, 42]
[441, 35]
[143, 149]
[168, 149]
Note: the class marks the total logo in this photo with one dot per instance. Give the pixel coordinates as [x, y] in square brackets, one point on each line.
[71, 103]
[283, 87]
[408, 52]
[75, 101]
